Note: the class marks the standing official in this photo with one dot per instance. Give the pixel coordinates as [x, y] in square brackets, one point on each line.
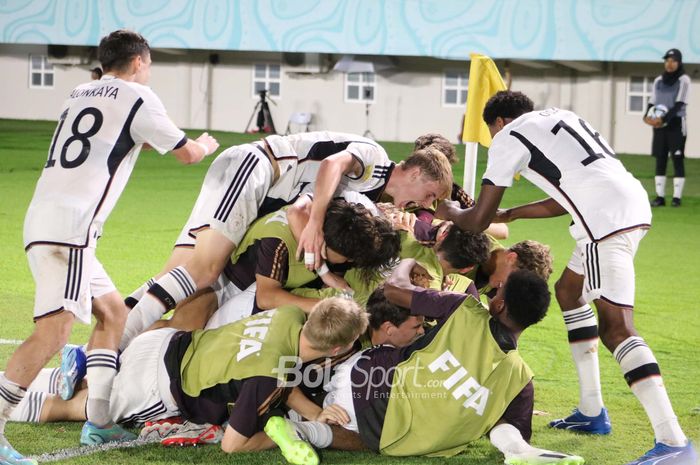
[669, 94]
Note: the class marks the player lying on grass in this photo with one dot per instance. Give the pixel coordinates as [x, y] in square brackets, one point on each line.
[166, 373]
[254, 179]
[559, 152]
[388, 324]
[463, 379]
[100, 133]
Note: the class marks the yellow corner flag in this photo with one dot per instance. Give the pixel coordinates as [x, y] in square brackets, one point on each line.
[484, 82]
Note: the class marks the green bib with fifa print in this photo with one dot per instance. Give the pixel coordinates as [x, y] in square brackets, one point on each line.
[249, 347]
[454, 390]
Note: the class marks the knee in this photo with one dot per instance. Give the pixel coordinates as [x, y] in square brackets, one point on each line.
[54, 334]
[204, 273]
[613, 335]
[111, 310]
[566, 293]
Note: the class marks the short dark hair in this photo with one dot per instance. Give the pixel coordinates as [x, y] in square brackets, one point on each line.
[381, 310]
[438, 141]
[369, 242]
[507, 104]
[527, 298]
[118, 48]
[464, 248]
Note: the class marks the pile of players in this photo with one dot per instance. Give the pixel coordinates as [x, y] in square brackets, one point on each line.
[321, 295]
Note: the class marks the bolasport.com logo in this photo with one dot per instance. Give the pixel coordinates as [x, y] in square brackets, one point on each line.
[440, 377]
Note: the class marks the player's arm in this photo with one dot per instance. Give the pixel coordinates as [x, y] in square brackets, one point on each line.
[193, 151]
[547, 208]
[477, 218]
[270, 294]
[327, 180]
[398, 289]
[244, 429]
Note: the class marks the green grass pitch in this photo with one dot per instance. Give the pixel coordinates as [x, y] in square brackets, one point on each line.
[141, 230]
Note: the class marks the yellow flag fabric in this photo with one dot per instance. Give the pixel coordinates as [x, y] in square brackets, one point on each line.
[484, 82]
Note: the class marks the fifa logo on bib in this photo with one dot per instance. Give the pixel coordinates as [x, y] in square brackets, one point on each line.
[476, 395]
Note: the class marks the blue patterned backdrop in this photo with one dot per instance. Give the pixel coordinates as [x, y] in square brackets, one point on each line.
[615, 30]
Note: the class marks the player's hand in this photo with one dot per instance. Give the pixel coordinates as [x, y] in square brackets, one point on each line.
[402, 220]
[657, 122]
[311, 245]
[649, 120]
[208, 142]
[335, 281]
[334, 414]
[446, 209]
[502, 216]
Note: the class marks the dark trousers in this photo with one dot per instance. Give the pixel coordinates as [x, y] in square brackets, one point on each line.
[669, 140]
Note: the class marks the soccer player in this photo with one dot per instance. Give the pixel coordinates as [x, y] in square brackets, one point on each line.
[559, 152]
[463, 379]
[166, 373]
[101, 130]
[265, 258]
[255, 179]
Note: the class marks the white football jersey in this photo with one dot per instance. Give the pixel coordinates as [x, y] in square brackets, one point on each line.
[563, 155]
[101, 130]
[300, 156]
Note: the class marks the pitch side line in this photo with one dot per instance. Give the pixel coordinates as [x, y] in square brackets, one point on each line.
[83, 451]
[10, 342]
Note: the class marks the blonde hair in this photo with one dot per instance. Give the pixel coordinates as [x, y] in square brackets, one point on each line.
[433, 165]
[533, 256]
[335, 322]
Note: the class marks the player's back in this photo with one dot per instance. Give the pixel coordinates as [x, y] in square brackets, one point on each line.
[563, 155]
[300, 156]
[90, 157]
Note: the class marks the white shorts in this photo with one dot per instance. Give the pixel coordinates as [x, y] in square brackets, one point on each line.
[67, 278]
[608, 268]
[234, 304]
[232, 192]
[339, 390]
[141, 389]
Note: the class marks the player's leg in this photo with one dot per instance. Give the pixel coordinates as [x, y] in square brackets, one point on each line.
[178, 257]
[614, 298]
[58, 300]
[192, 313]
[582, 330]
[659, 149]
[677, 149]
[101, 356]
[233, 190]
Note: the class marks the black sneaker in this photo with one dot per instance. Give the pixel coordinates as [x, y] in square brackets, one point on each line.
[659, 202]
[676, 202]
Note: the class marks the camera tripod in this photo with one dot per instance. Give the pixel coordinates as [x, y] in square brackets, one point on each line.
[264, 117]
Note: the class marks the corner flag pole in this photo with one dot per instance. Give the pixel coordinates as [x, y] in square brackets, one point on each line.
[484, 82]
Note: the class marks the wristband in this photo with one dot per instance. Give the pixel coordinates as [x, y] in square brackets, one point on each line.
[204, 147]
[322, 270]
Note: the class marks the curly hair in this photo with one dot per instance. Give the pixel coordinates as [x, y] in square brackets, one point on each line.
[118, 48]
[507, 104]
[464, 248]
[533, 256]
[438, 141]
[527, 298]
[369, 242]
